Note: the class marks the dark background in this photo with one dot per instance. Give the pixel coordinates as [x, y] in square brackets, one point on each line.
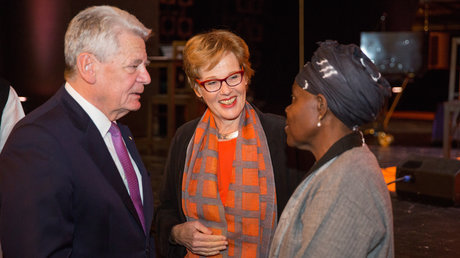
[31, 45]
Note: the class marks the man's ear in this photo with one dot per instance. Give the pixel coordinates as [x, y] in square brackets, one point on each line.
[86, 66]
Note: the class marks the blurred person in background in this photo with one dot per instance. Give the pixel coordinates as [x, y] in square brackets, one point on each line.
[10, 109]
[11, 112]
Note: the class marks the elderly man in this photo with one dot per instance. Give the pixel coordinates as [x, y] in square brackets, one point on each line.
[72, 183]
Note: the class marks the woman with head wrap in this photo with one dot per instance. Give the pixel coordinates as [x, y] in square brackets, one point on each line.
[343, 208]
[219, 195]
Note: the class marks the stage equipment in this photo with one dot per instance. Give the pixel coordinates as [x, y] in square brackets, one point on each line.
[433, 180]
[438, 50]
[399, 58]
[394, 53]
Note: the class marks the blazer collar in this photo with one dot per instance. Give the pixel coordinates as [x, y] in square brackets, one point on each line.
[94, 144]
[354, 139]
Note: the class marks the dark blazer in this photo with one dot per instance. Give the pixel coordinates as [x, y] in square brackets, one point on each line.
[289, 167]
[61, 193]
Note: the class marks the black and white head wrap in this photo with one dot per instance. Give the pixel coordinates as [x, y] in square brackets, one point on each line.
[353, 87]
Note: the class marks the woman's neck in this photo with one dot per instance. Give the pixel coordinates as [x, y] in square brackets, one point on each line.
[225, 127]
[328, 136]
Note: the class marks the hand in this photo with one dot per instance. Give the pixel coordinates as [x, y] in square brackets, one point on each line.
[198, 239]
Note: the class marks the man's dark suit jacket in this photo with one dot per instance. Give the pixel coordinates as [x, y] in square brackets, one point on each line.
[61, 193]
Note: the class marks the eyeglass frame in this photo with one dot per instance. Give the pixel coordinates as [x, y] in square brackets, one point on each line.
[201, 83]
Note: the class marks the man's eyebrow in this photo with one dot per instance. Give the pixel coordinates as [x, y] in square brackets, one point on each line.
[139, 61]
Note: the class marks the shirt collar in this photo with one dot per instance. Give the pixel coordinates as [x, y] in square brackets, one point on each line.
[99, 119]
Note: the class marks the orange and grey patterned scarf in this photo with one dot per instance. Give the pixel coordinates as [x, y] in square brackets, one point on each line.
[249, 217]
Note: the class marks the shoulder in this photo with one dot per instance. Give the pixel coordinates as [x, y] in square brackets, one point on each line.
[354, 175]
[184, 133]
[351, 173]
[357, 162]
[187, 129]
[54, 119]
[270, 120]
[60, 109]
[45, 116]
[272, 124]
[43, 127]
[34, 143]
[190, 125]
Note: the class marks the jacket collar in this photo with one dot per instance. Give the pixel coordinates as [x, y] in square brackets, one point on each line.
[347, 142]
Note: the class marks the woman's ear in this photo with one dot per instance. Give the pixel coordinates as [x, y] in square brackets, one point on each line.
[197, 91]
[86, 66]
[322, 105]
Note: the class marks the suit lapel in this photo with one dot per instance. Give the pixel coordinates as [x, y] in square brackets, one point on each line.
[94, 144]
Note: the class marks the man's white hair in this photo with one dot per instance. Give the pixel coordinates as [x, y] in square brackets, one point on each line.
[96, 30]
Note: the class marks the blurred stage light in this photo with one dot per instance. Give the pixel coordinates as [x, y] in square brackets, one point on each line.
[396, 89]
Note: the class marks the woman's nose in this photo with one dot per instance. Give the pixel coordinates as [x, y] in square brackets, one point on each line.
[224, 88]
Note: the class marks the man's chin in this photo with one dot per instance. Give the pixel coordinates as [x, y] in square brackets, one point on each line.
[134, 106]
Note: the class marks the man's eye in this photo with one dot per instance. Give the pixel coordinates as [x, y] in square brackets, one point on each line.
[131, 68]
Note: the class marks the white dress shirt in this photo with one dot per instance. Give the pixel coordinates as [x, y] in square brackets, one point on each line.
[12, 113]
[103, 125]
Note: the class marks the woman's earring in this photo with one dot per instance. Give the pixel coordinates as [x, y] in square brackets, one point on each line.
[319, 121]
[320, 100]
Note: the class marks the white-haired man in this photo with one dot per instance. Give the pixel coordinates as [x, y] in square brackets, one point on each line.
[72, 183]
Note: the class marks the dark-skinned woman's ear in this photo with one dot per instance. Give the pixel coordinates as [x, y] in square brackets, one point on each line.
[321, 110]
